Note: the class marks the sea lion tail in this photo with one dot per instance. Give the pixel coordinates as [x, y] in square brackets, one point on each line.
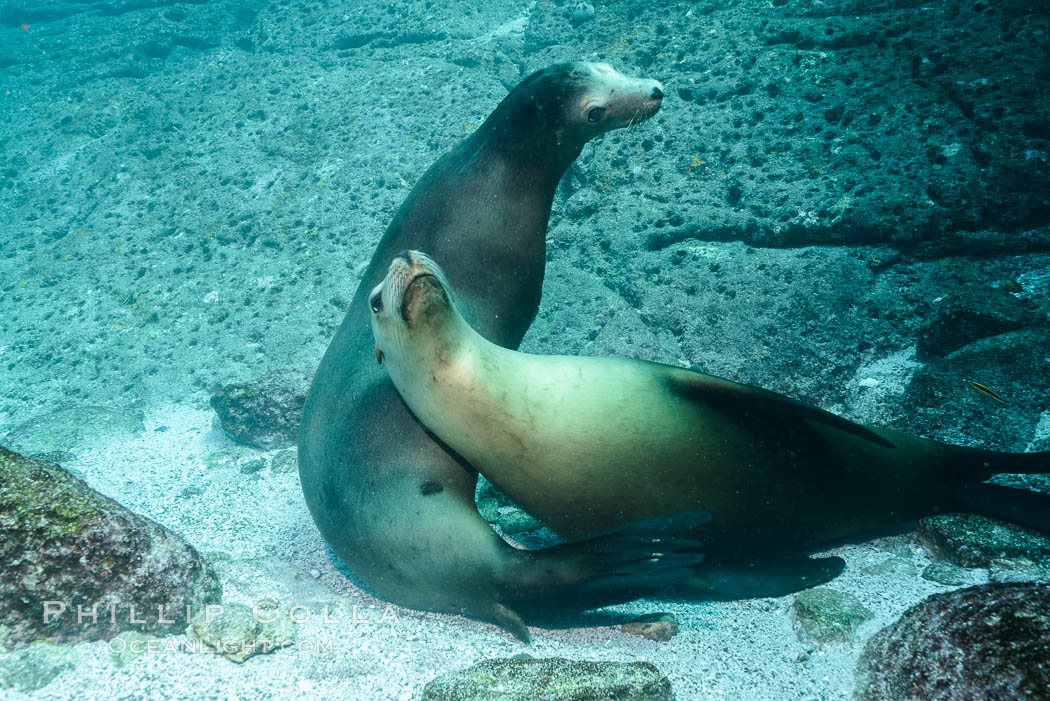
[610, 568]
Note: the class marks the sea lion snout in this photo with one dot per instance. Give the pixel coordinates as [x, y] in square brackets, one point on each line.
[652, 89]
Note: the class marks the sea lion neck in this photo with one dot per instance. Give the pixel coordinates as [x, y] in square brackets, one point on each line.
[518, 137]
[441, 352]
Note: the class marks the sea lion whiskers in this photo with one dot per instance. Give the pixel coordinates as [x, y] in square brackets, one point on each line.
[642, 112]
[389, 294]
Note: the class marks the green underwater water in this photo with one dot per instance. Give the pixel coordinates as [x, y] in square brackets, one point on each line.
[843, 202]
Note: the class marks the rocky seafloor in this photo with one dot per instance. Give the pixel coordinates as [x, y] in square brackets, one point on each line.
[847, 202]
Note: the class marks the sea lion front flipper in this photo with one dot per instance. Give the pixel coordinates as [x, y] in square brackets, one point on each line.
[511, 622]
[759, 579]
[721, 393]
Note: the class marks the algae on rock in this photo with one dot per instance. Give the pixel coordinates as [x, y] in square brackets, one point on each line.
[84, 556]
[828, 615]
[554, 679]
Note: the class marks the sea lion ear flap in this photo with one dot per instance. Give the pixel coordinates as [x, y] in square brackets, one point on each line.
[729, 396]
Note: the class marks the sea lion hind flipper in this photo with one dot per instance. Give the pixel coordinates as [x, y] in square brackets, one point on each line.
[726, 394]
[758, 579]
[1020, 506]
[620, 565]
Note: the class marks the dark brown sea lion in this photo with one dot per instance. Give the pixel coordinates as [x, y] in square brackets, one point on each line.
[395, 506]
[587, 444]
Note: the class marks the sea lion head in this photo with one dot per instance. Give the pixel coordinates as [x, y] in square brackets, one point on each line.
[411, 303]
[574, 102]
[605, 99]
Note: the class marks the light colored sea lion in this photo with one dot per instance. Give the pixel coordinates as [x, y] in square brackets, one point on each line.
[392, 503]
[586, 444]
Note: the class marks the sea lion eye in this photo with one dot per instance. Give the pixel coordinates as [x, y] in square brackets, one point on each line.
[376, 302]
[595, 114]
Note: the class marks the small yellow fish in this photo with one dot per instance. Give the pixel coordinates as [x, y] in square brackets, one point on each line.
[985, 389]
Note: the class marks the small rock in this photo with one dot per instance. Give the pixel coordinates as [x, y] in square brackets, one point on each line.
[285, 461]
[65, 430]
[975, 541]
[551, 679]
[654, 626]
[250, 467]
[35, 666]
[263, 413]
[828, 615]
[983, 642]
[948, 574]
[898, 545]
[893, 565]
[191, 492]
[238, 634]
[237, 458]
[580, 13]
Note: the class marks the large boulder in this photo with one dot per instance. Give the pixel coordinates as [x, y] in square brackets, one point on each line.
[780, 134]
[970, 315]
[65, 547]
[941, 401]
[985, 642]
[970, 540]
